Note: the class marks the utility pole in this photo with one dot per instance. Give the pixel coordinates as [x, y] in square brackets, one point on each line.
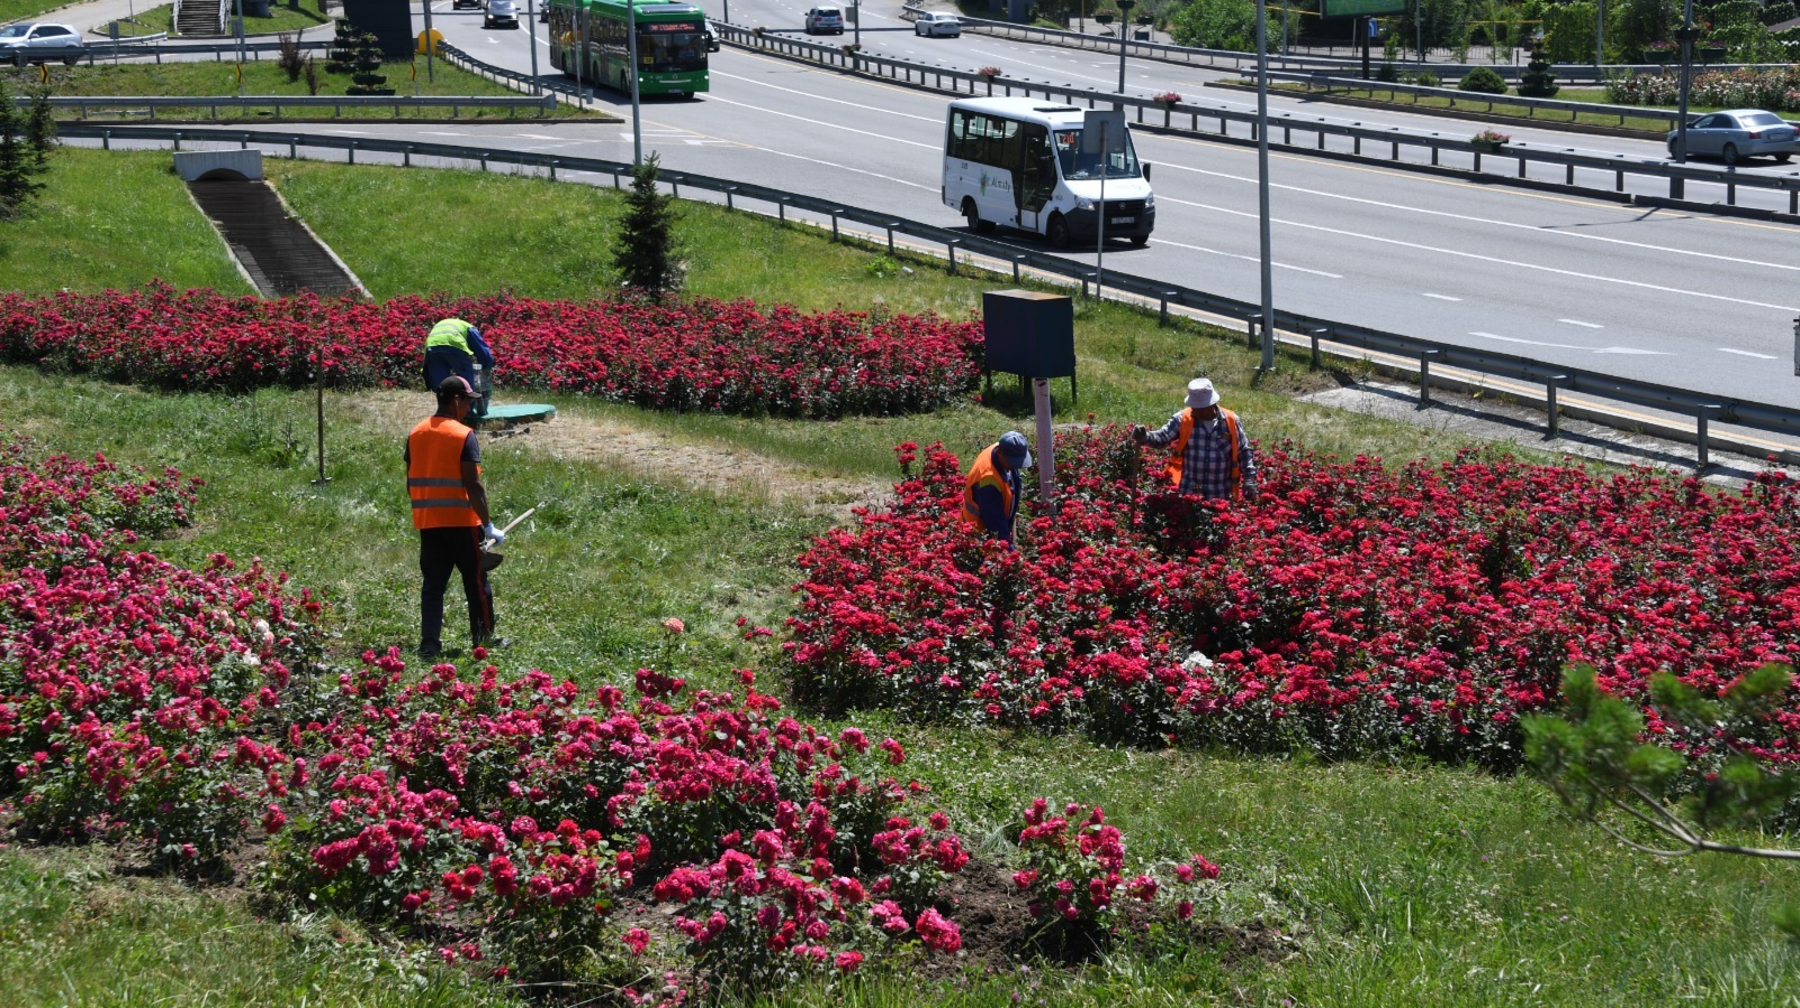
[1678, 187]
[537, 88]
[637, 120]
[1262, 183]
[1124, 26]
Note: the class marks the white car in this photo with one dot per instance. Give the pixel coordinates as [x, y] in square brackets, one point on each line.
[40, 43]
[938, 23]
[825, 21]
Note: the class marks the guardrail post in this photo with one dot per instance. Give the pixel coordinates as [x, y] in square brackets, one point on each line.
[106, 144]
[1550, 386]
[1730, 192]
[1251, 324]
[293, 149]
[1162, 307]
[1569, 177]
[950, 247]
[406, 156]
[243, 141]
[890, 233]
[834, 224]
[730, 190]
[1018, 260]
[177, 144]
[1797, 346]
[1315, 333]
[781, 210]
[1425, 357]
[484, 166]
[1703, 456]
[352, 150]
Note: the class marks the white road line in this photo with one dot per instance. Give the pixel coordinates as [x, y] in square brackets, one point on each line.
[1254, 259]
[835, 101]
[1459, 253]
[1572, 346]
[1535, 229]
[1747, 353]
[537, 136]
[1584, 325]
[441, 133]
[1440, 297]
[711, 98]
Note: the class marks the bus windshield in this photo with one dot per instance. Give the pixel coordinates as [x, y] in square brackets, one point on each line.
[660, 48]
[1076, 165]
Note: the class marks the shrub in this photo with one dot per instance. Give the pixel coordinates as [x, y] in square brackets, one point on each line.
[1483, 80]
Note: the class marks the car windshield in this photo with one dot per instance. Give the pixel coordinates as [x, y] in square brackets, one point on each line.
[1762, 119]
[14, 31]
[1076, 165]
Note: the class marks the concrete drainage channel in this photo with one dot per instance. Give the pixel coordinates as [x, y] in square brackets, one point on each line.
[274, 249]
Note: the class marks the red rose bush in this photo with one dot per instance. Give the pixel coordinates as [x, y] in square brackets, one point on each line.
[1353, 608]
[697, 354]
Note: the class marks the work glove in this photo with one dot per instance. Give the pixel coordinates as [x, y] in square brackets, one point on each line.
[492, 534]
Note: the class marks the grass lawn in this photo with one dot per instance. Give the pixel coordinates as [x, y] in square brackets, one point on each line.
[1396, 883]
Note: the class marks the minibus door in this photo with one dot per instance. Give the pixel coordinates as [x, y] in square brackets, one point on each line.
[1037, 177]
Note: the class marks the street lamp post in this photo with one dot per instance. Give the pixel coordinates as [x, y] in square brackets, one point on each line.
[1262, 182]
[856, 12]
[1678, 187]
[1124, 27]
[240, 35]
[637, 120]
[537, 87]
[430, 47]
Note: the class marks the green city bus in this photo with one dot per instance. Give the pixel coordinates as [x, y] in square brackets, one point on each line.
[589, 40]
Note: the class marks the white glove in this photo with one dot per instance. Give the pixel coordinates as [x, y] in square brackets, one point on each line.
[492, 534]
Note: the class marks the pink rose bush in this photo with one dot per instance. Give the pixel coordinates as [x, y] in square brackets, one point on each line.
[1353, 609]
[697, 354]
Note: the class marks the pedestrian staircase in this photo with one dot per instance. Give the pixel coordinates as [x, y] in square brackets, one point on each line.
[280, 255]
[200, 17]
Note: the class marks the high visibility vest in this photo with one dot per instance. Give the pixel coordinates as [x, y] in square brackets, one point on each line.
[434, 475]
[985, 473]
[1178, 455]
[452, 332]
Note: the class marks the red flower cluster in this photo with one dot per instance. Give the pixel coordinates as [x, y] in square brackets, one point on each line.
[697, 355]
[1353, 608]
[133, 693]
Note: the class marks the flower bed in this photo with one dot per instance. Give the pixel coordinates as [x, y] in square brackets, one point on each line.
[1777, 90]
[1353, 609]
[692, 355]
[526, 824]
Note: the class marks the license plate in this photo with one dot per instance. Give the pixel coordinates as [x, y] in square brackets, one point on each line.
[1122, 220]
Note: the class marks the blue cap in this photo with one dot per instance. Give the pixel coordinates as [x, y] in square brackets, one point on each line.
[1015, 449]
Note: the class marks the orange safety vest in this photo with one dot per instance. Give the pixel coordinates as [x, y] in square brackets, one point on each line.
[434, 475]
[984, 473]
[1178, 458]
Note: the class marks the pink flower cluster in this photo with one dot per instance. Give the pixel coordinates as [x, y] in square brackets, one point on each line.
[698, 355]
[1354, 608]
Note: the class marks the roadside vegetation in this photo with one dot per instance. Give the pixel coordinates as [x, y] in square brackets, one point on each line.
[1363, 883]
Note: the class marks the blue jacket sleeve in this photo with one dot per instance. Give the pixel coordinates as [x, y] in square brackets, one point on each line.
[993, 513]
[483, 354]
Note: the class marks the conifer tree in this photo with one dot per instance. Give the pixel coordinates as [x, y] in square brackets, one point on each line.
[646, 256]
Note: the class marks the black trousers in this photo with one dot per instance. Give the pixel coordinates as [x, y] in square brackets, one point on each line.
[441, 551]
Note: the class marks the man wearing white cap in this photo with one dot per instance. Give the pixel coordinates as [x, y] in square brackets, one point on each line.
[1210, 454]
[991, 495]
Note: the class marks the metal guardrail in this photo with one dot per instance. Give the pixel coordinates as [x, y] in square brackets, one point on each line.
[1532, 105]
[1148, 111]
[157, 48]
[150, 103]
[1704, 408]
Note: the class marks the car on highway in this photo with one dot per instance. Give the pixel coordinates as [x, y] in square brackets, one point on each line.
[460, 4]
[825, 21]
[939, 24]
[1736, 134]
[40, 42]
[500, 14]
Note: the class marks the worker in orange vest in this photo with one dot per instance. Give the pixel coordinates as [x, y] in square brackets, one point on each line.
[450, 510]
[1210, 455]
[991, 494]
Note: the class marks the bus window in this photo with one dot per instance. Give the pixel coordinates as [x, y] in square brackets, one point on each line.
[1076, 165]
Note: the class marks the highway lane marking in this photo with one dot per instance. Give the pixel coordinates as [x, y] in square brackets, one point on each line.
[1535, 229]
[1496, 260]
[1441, 297]
[814, 120]
[1572, 346]
[1246, 258]
[1586, 325]
[1747, 353]
[835, 101]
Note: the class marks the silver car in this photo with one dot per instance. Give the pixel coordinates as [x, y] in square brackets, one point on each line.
[938, 23]
[1740, 133]
[40, 42]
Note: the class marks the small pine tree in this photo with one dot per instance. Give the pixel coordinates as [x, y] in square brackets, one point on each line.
[646, 256]
[40, 129]
[20, 159]
[1537, 81]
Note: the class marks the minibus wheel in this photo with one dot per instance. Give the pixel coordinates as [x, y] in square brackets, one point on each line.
[1059, 231]
[973, 216]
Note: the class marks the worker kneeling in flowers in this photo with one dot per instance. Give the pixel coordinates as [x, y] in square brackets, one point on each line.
[991, 495]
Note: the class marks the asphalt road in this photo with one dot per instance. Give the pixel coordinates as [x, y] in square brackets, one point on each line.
[1686, 299]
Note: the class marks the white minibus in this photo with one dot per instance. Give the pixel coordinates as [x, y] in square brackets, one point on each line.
[1021, 162]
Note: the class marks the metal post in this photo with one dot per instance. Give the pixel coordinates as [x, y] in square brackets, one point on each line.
[1124, 27]
[319, 386]
[1797, 346]
[1678, 187]
[1703, 456]
[240, 35]
[637, 120]
[1262, 183]
[1100, 209]
[537, 87]
[1425, 357]
[430, 46]
[856, 12]
[1550, 386]
[1600, 38]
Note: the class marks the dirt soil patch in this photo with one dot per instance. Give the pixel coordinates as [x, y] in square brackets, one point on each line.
[724, 470]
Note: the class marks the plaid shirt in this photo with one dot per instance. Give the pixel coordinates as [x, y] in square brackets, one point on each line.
[1206, 465]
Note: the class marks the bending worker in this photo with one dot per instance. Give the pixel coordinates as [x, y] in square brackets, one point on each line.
[454, 347]
[1210, 453]
[450, 510]
[991, 496]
